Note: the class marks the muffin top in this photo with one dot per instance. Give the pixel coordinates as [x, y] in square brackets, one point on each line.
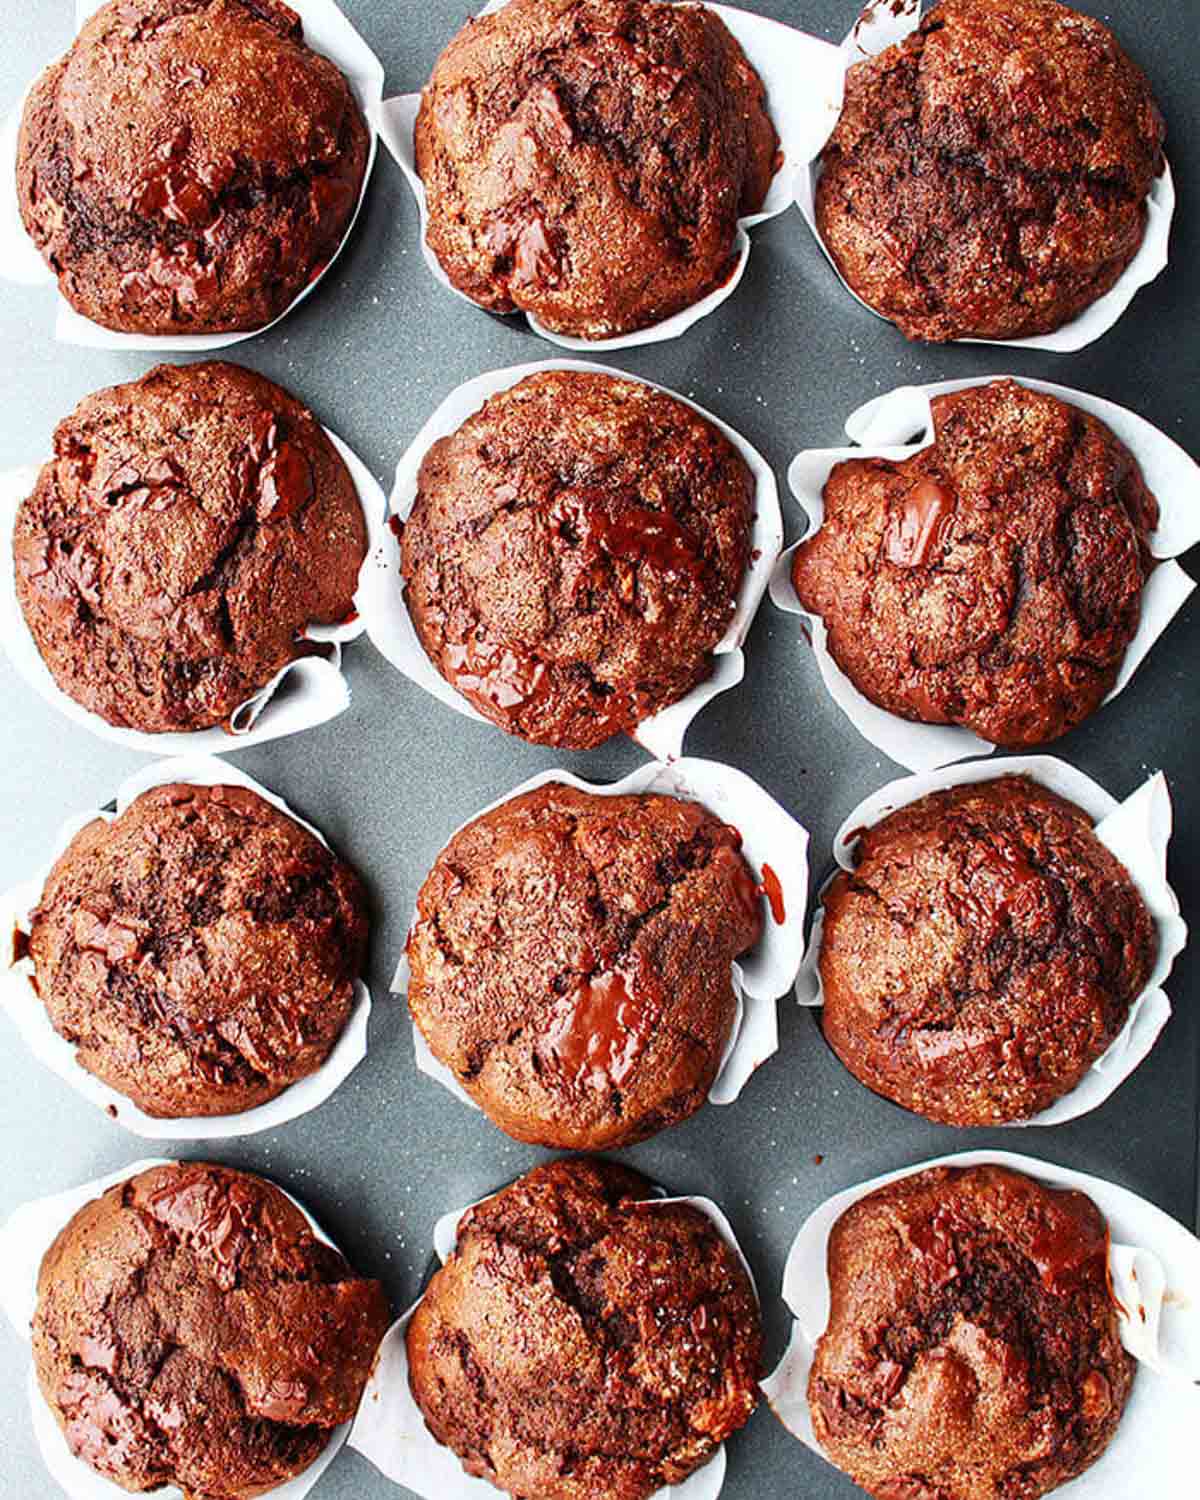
[190, 165]
[993, 580]
[982, 954]
[189, 527]
[587, 161]
[581, 1344]
[973, 1347]
[191, 1329]
[988, 175]
[200, 950]
[571, 961]
[575, 553]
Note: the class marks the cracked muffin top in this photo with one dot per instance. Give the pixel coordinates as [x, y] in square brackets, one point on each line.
[575, 553]
[191, 1329]
[993, 580]
[199, 951]
[190, 165]
[587, 161]
[571, 962]
[581, 1344]
[982, 954]
[988, 175]
[973, 1347]
[188, 529]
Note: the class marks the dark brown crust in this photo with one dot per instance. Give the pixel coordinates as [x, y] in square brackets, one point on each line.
[988, 175]
[1011, 613]
[983, 953]
[200, 951]
[189, 527]
[571, 962]
[581, 1345]
[972, 1350]
[190, 165]
[191, 1329]
[575, 553]
[587, 161]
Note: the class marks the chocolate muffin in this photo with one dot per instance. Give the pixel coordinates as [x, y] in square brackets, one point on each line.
[191, 1329]
[190, 165]
[982, 954]
[587, 161]
[200, 951]
[973, 1348]
[571, 962]
[188, 529]
[993, 580]
[988, 175]
[575, 553]
[582, 1344]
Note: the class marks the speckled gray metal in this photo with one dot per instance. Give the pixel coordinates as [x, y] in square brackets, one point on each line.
[784, 360]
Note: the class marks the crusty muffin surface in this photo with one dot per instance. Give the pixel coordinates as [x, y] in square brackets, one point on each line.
[188, 529]
[994, 579]
[587, 161]
[575, 553]
[191, 1329]
[988, 175]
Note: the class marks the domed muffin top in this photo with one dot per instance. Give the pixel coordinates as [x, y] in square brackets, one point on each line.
[581, 1344]
[587, 161]
[189, 528]
[575, 553]
[571, 961]
[983, 953]
[191, 1329]
[988, 175]
[190, 165]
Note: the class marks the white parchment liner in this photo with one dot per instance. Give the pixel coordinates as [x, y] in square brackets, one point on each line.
[387, 621]
[19, 1000]
[803, 78]
[1155, 1266]
[24, 1240]
[1137, 831]
[390, 1430]
[770, 836]
[316, 691]
[326, 30]
[885, 428]
[882, 24]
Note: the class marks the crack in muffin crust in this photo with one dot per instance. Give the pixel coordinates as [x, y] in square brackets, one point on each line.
[582, 1345]
[575, 553]
[983, 954]
[570, 962]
